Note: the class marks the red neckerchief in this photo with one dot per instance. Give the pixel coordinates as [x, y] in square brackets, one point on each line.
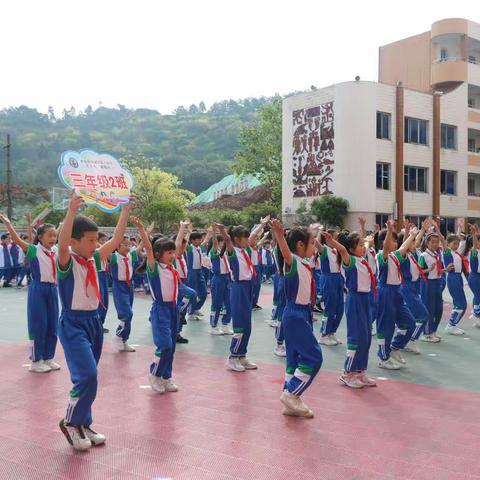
[176, 281]
[399, 268]
[464, 261]
[373, 280]
[419, 268]
[127, 271]
[438, 263]
[249, 263]
[51, 255]
[259, 255]
[227, 266]
[91, 276]
[181, 260]
[312, 284]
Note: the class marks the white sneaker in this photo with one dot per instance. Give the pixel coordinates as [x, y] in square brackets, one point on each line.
[156, 383]
[436, 335]
[247, 364]
[430, 339]
[39, 367]
[118, 342]
[273, 323]
[351, 380]
[216, 331]
[75, 436]
[327, 340]
[226, 330]
[191, 317]
[127, 348]
[52, 364]
[389, 364]
[233, 363]
[280, 351]
[397, 357]
[294, 405]
[339, 342]
[169, 385]
[198, 313]
[453, 330]
[412, 347]
[95, 437]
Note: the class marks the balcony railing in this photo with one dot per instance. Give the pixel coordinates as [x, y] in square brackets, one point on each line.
[469, 59]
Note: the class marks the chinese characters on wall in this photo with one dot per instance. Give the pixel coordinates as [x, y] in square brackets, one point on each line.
[313, 151]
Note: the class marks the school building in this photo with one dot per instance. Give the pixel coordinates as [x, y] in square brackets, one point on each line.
[405, 146]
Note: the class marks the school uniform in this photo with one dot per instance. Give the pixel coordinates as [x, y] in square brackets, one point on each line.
[121, 270]
[474, 281]
[206, 266]
[392, 309]
[256, 258]
[186, 295]
[241, 299]
[413, 279]
[81, 333]
[333, 295]
[42, 303]
[5, 264]
[432, 289]
[280, 301]
[319, 280]
[195, 277]
[371, 258]
[164, 283]
[221, 289]
[268, 265]
[103, 283]
[455, 284]
[304, 356]
[361, 284]
[22, 269]
[14, 254]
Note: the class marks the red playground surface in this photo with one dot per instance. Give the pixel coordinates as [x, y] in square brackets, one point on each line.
[225, 425]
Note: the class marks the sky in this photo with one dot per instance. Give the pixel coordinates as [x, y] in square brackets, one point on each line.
[161, 54]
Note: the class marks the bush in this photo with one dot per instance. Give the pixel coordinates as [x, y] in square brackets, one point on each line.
[330, 210]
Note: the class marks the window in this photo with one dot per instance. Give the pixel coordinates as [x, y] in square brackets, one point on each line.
[383, 125]
[381, 219]
[471, 103]
[416, 219]
[472, 59]
[472, 145]
[449, 136]
[447, 226]
[415, 179]
[448, 182]
[474, 184]
[415, 131]
[443, 54]
[383, 176]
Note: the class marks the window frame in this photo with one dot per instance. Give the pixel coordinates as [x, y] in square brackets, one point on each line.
[409, 124]
[382, 165]
[471, 192]
[406, 174]
[443, 128]
[443, 181]
[380, 116]
[382, 216]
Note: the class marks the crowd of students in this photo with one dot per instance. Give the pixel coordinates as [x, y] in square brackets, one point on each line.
[388, 282]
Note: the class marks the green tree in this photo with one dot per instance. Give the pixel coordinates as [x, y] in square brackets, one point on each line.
[304, 215]
[330, 210]
[261, 148]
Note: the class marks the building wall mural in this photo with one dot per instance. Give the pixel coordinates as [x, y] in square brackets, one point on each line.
[313, 151]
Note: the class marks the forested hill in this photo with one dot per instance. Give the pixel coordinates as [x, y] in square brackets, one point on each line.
[194, 143]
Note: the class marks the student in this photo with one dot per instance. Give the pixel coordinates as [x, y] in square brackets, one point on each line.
[431, 261]
[42, 301]
[333, 294]
[256, 259]
[279, 302]
[5, 261]
[80, 328]
[195, 278]
[237, 242]
[221, 288]
[268, 266]
[360, 282]
[304, 357]
[164, 283]
[474, 275]
[123, 263]
[103, 283]
[451, 256]
[392, 310]
[22, 269]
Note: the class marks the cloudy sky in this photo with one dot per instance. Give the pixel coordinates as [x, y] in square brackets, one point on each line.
[160, 54]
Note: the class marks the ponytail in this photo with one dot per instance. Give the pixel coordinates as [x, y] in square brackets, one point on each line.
[41, 230]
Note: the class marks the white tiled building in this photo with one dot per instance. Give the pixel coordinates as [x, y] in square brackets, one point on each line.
[343, 139]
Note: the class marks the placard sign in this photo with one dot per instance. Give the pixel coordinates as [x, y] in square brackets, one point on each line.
[97, 177]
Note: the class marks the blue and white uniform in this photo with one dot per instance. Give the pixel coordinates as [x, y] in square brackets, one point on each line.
[196, 278]
[256, 258]
[333, 295]
[241, 299]
[432, 289]
[268, 265]
[455, 284]
[474, 281]
[221, 289]
[371, 258]
[279, 299]
[164, 283]
[42, 303]
[304, 356]
[5, 264]
[186, 295]
[103, 283]
[358, 310]
[121, 270]
[392, 309]
[81, 333]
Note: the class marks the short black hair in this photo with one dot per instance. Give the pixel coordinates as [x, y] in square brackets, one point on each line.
[196, 235]
[102, 235]
[4, 236]
[163, 244]
[82, 225]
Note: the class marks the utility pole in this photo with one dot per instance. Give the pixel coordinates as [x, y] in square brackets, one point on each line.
[9, 178]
